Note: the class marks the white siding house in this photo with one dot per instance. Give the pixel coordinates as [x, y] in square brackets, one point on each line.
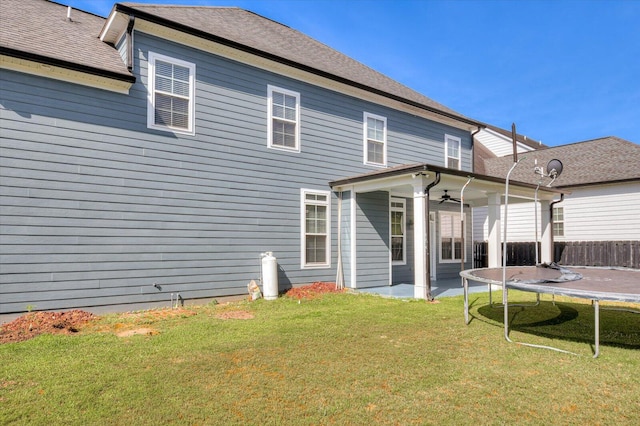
[601, 179]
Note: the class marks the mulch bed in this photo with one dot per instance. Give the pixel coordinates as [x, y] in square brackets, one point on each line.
[35, 323]
[312, 291]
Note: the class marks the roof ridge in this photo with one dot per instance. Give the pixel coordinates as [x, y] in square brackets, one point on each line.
[604, 138]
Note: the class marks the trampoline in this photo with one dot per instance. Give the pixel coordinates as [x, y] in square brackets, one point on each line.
[596, 284]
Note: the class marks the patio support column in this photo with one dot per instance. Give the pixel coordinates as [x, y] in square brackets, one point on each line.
[546, 249]
[419, 238]
[495, 258]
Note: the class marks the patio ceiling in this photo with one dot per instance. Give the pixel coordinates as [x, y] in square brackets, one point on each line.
[401, 180]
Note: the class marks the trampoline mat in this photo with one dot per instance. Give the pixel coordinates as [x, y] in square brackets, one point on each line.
[596, 283]
[528, 274]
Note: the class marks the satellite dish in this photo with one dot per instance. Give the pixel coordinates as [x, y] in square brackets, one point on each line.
[554, 168]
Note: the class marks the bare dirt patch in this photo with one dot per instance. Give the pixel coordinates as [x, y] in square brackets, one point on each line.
[313, 291]
[144, 331]
[234, 315]
[33, 324]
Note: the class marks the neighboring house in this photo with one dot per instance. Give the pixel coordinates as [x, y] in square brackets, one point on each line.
[492, 142]
[163, 149]
[602, 180]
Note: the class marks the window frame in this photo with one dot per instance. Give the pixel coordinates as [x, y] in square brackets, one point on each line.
[303, 225]
[558, 224]
[151, 94]
[458, 141]
[365, 139]
[456, 219]
[402, 210]
[270, 90]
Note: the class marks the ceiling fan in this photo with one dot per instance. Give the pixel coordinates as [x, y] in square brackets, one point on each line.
[447, 197]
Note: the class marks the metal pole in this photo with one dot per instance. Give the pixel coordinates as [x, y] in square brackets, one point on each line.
[504, 252]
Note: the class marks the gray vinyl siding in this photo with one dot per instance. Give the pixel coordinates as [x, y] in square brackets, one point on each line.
[372, 239]
[121, 45]
[97, 208]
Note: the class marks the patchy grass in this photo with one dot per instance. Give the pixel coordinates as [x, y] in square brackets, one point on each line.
[335, 359]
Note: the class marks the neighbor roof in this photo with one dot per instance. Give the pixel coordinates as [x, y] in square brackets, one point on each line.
[256, 34]
[604, 160]
[39, 31]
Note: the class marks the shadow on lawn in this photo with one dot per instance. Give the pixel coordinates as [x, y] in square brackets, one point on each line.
[568, 321]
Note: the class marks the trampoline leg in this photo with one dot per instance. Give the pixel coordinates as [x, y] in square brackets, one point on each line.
[505, 303]
[465, 285]
[490, 298]
[596, 309]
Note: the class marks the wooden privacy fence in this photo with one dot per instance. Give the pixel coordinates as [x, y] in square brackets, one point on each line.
[619, 254]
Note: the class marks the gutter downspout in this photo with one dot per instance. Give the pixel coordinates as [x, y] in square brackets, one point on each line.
[553, 203]
[428, 296]
[129, 41]
[473, 148]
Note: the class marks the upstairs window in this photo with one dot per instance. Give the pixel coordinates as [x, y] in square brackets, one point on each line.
[171, 95]
[315, 226]
[558, 221]
[284, 119]
[398, 241]
[375, 140]
[452, 152]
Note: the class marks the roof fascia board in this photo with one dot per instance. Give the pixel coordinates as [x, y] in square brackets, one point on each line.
[384, 179]
[5, 51]
[163, 28]
[606, 182]
[115, 27]
[50, 70]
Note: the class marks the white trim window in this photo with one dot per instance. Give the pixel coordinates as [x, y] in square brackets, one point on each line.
[397, 220]
[283, 125]
[450, 242]
[315, 217]
[558, 221]
[452, 152]
[375, 139]
[171, 94]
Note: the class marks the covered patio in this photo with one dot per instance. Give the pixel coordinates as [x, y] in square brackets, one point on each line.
[432, 194]
[441, 288]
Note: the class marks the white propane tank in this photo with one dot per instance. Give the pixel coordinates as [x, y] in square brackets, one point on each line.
[269, 276]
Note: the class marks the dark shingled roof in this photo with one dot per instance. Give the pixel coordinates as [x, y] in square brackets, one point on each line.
[39, 30]
[265, 35]
[596, 161]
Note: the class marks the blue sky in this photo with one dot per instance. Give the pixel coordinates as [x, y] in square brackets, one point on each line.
[564, 71]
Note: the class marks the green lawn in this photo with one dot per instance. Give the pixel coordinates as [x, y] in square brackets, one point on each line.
[340, 359]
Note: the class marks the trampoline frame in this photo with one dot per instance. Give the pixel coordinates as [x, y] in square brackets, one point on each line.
[547, 288]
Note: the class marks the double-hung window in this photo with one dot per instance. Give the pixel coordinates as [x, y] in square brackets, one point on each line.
[171, 94]
[316, 228]
[558, 221]
[398, 241]
[375, 140]
[284, 119]
[450, 237]
[452, 153]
